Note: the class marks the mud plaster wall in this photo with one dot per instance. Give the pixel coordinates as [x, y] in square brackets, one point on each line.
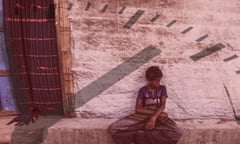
[195, 89]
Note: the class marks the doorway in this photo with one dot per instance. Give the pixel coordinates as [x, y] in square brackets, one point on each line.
[7, 103]
[31, 46]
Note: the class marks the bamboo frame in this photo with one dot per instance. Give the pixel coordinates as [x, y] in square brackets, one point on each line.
[65, 55]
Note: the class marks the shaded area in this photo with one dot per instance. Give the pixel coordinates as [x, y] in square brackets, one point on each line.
[33, 133]
[171, 23]
[231, 103]
[133, 19]
[114, 75]
[207, 52]
[230, 58]
[87, 93]
[88, 6]
[122, 10]
[202, 38]
[104, 8]
[155, 18]
[187, 30]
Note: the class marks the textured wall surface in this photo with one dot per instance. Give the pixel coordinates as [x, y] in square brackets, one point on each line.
[195, 88]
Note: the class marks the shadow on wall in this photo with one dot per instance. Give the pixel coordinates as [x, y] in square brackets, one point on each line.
[33, 132]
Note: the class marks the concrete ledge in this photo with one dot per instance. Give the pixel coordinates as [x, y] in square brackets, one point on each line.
[27, 134]
[5, 130]
[93, 131]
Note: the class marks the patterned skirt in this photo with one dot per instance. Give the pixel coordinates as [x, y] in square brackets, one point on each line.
[131, 130]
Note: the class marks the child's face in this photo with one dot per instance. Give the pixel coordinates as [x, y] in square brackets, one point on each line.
[154, 83]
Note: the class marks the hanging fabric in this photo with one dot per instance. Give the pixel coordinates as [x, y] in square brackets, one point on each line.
[33, 55]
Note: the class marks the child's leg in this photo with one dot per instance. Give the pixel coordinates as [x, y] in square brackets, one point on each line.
[123, 131]
[121, 124]
[125, 137]
[171, 133]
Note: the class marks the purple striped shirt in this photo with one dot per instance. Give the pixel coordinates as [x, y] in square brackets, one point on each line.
[152, 97]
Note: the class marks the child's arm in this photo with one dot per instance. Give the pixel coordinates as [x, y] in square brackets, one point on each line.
[139, 108]
[161, 108]
[150, 124]
[163, 100]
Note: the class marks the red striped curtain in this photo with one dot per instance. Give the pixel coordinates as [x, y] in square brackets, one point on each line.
[31, 45]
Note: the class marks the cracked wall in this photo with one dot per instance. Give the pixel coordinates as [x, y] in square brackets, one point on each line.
[195, 88]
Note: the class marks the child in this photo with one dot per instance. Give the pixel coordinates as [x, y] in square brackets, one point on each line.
[149, 124]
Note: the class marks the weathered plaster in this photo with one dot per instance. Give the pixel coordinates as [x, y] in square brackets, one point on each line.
[195, 89]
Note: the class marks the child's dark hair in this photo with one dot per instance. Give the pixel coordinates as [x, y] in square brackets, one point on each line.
[153, 73]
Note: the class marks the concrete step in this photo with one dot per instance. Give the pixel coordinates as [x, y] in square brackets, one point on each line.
[27, 134]
[93, 131]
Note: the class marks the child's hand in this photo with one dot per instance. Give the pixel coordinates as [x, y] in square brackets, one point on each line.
[151, 123]
[164, 114]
